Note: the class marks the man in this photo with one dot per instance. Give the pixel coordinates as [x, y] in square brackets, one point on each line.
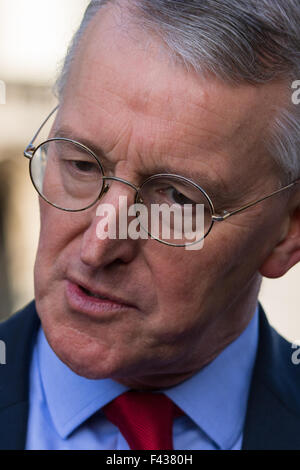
[200, 90]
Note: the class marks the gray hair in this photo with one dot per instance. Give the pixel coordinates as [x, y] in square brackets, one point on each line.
[239, 41]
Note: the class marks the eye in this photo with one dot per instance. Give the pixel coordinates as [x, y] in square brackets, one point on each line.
[84, 166]
[177, 197]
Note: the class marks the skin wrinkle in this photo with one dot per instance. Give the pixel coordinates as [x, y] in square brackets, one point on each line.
[66, 132]
[71, 135]
[170, 121]
[219, 177]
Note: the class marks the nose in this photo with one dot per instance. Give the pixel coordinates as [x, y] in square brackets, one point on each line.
[101, 245]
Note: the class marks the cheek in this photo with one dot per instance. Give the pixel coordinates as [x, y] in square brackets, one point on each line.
[58, 229]
[189, 283]
[181, 278]
[58, 234]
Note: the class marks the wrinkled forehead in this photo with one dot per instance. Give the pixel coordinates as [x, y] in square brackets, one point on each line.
[131, 70]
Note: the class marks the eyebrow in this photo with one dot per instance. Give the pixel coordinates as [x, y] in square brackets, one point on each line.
[66, 133]
[211, 186]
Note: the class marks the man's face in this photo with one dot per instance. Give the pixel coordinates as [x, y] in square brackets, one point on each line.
[169, 311]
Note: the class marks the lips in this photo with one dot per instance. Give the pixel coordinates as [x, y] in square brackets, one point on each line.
[83, 298]
[94, 294]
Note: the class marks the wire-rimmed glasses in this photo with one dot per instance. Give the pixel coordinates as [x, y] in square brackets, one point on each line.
[70, 176]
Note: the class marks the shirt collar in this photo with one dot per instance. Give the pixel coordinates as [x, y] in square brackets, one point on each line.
[215, 398]
[71, 399]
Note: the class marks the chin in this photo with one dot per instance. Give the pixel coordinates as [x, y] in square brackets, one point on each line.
[85, 369]
[86, 356]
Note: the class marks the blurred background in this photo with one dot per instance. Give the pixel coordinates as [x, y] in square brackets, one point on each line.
[34, 35]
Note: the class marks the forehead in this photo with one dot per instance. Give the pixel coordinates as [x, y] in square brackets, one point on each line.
[122, 71]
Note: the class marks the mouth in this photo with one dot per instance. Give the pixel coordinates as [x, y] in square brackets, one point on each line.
[88, 300]
[93, 294]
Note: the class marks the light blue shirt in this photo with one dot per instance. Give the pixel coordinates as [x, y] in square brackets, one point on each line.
[65, 409]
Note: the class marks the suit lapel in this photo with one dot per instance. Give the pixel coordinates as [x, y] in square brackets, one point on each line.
[273, 414]
[18, 333]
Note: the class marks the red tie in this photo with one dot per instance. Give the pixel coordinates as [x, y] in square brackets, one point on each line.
[145, 419]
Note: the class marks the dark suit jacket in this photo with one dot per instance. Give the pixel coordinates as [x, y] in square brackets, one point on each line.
[273, 415]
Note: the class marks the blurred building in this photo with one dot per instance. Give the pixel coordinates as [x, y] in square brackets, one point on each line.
[34, 35]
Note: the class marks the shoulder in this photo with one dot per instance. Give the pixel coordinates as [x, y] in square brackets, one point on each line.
[273, 415]
[16, 331]
[17, 334]
[276, 364]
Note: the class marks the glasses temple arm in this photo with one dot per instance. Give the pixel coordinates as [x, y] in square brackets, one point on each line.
[219, 218]
[30, 147]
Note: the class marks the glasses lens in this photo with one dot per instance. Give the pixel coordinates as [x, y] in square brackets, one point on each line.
[178, 212]
[66, 175]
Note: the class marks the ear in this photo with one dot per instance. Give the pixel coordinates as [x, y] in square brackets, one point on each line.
[287, 253]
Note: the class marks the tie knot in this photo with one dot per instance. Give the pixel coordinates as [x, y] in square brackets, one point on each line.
[145, 419]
